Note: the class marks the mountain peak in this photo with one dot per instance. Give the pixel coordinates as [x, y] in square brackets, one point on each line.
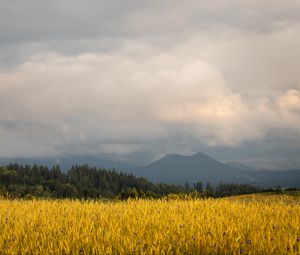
[202, 156]
[174, 168]
[199, 154]
[173, 155]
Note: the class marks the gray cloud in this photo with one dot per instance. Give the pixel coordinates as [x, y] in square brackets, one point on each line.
[148, 77]
[114, 103]
[44, 20]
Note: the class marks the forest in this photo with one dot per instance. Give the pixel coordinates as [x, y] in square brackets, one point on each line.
[83, 181]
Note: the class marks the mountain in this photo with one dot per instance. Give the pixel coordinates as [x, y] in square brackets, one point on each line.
[176, 168]
[286, 178]
[277, 164]
[200, 167]
[65, 162]
[240, 166]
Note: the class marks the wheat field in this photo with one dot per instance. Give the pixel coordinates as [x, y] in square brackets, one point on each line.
[244, 225]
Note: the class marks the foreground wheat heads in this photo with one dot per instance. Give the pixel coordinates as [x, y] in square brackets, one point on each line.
[258, 225]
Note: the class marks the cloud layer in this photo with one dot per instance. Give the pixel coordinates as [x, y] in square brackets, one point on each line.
[116, 103]
[115, 77]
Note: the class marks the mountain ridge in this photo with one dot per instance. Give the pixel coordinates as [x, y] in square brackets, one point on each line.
[178, 169]
[175, 168]
[65, 162]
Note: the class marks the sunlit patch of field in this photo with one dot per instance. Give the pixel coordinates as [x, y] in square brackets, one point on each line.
[268, 198]
[243, 225]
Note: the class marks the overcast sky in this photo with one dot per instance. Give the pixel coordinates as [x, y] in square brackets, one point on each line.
[140, 79]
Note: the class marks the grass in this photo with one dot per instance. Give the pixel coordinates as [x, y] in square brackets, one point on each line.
[239, 225]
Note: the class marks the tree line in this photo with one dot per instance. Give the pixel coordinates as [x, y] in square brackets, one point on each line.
[83, 181]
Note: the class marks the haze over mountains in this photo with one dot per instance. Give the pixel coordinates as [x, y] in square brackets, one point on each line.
[131, 81]
[178, 169]
[65, 162]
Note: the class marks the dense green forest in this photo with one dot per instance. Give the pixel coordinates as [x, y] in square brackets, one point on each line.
[82, 181]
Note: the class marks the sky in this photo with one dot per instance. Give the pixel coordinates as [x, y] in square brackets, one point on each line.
[141, 79]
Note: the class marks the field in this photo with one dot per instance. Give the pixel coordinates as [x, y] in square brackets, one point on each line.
[243, 225]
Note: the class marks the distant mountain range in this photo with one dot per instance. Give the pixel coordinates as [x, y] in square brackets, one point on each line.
[200, 167]
[240, 166]
[66, 162]
[179, 169]
[176, 168]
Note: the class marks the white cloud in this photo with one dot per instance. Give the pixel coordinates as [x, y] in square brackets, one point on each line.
[290, 101]
[99, 76]
[116, 103]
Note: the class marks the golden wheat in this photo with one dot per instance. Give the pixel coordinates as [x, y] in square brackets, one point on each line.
[258, 225]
